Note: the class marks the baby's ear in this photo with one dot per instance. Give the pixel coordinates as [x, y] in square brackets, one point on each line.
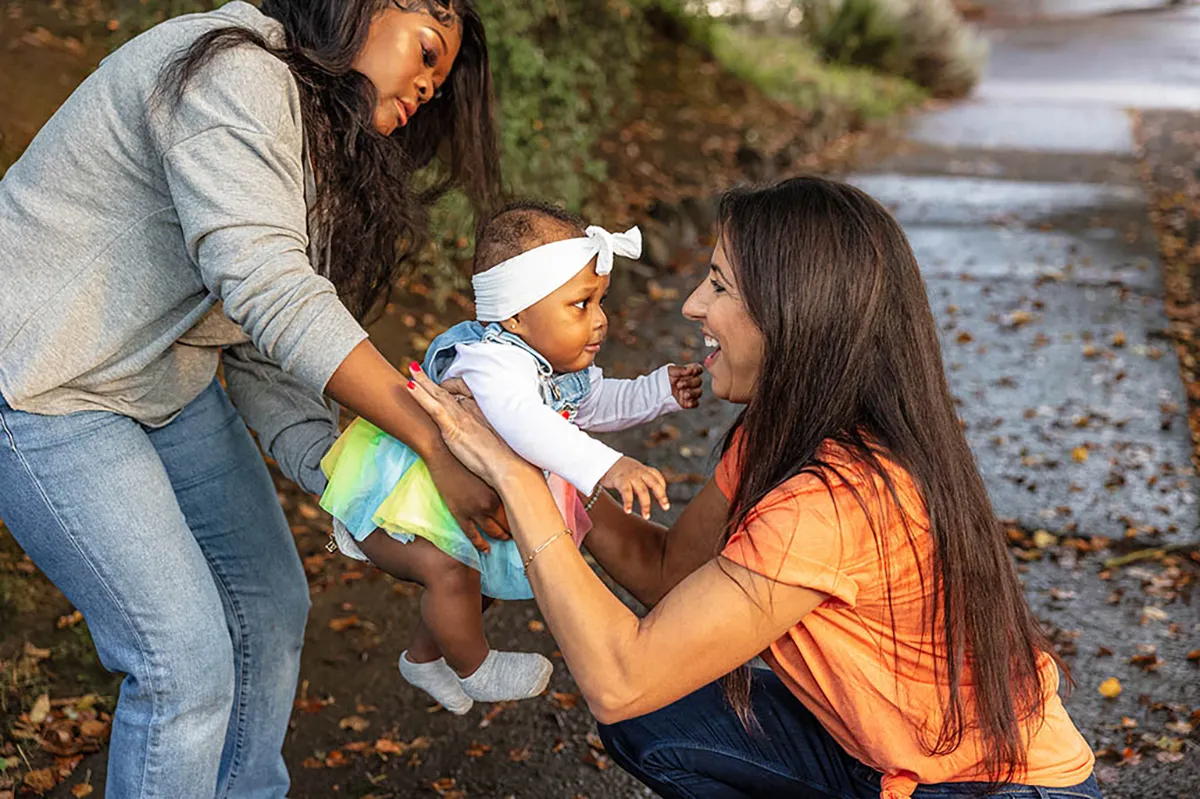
[513, 324]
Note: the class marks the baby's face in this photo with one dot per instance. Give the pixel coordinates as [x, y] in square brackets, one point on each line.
[568, 326]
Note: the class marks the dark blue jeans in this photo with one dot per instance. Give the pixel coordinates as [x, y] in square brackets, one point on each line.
[696, 748]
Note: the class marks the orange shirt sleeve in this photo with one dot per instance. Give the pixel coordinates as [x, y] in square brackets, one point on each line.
[793, 536]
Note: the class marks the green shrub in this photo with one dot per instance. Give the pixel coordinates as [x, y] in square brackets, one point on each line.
[786, 68]
[863, 33]
[925, 41]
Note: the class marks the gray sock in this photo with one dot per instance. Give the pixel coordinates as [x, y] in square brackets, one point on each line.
[438, 680]
[505, 676]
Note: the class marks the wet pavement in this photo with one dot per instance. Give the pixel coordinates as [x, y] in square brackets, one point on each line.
[1032, 227]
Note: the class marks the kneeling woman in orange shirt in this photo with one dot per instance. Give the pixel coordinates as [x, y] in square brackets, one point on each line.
[846, 536]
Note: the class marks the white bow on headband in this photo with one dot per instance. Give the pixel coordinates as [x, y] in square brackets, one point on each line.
[513, 285]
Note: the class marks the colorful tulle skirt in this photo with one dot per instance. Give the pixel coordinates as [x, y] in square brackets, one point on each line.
[376, 482]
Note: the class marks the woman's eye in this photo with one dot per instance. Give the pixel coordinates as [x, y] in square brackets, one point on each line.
[429, 57]
[717, 287]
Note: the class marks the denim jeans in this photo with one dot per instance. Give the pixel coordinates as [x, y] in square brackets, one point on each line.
[172, 543]
[696, 747]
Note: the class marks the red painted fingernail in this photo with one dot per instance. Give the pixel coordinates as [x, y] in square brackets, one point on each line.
[411, 385]
[414, 366]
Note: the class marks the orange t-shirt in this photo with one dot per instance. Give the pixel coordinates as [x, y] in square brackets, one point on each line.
[840, 661]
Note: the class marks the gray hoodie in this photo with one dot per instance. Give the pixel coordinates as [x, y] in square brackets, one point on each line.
[139, 240]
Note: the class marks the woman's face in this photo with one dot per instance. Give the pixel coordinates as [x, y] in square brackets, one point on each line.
[737, 355]
[407, 57]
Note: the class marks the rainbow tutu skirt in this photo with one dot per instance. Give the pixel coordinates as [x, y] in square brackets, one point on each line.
[376, 482]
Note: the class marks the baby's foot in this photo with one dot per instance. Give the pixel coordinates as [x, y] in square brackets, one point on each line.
[438, 680]
[504, 676]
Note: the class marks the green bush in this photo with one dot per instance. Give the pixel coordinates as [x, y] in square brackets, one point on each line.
[925, 41]
[788, 69]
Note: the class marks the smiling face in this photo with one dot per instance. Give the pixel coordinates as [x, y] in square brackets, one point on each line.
[738, 345]
[568, 326]
[407, 57]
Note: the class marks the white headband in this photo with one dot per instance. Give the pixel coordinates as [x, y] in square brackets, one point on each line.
[513, 285]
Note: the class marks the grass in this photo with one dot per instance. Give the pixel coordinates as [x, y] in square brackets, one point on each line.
[789, 70]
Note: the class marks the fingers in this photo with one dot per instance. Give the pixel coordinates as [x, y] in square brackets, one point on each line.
[658, 486]
[626, 490]
[643, 495]
[501, 518]
[458, 387]
[492, 528]
[432, 398]
[477, 540]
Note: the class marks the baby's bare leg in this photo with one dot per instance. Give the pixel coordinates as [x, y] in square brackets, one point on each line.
[451, 623]
[424, 648]
[452, 617]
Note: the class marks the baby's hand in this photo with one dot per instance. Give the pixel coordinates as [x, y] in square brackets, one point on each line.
[685, 384]
[628, 477]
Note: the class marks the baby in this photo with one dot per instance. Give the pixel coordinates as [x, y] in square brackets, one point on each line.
[539, 282]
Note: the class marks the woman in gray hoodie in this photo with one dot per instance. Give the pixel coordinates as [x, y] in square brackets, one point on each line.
[237, 188]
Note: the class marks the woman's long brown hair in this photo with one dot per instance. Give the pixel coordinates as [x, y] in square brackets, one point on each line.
[852, 359]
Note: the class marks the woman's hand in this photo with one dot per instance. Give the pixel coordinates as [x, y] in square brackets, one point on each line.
[466, 432]
[472, 502]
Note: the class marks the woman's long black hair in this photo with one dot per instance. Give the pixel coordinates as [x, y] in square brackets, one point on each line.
[852, 359]
[371, 210]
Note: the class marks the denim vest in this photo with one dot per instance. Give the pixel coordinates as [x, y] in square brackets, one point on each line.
[562, 392]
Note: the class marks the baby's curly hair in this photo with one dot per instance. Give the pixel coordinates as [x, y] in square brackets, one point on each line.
[520, 226]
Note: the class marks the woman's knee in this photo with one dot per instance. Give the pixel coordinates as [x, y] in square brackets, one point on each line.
[189, 667]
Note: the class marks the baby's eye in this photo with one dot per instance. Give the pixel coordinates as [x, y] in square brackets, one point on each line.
[580, 305]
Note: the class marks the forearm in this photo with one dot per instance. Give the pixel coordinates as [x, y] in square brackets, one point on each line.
[594, 630]
[368, 385]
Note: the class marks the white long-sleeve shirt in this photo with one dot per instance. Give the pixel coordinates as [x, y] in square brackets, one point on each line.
[505, 382]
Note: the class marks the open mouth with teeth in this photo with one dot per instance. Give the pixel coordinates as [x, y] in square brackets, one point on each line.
[715, 346]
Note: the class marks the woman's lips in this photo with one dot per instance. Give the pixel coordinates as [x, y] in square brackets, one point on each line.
[402, 114]
[711, 358]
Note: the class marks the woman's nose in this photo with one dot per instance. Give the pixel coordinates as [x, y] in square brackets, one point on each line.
[694, 305]
[424, 89]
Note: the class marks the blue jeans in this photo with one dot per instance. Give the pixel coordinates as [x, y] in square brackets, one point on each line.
[172, 543]
[696, 747]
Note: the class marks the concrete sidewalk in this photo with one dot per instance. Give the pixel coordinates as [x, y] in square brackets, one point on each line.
[1026, 212]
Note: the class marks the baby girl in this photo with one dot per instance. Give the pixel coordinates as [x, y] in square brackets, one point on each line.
[539, 282]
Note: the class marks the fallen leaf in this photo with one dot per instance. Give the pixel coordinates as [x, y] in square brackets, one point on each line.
[477, 750]
[1043, 539]
[563, 700]
[81, 790]
[35, 653]
[386, 746]
[41, 780]
[520, 755]
[1079, 454]
[336, 759]
[355, 723]
[536, 626]
[93, 728]
[344, 623]
[40, 709]
[1194, 655]
[1110, 688]
[70, 620]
